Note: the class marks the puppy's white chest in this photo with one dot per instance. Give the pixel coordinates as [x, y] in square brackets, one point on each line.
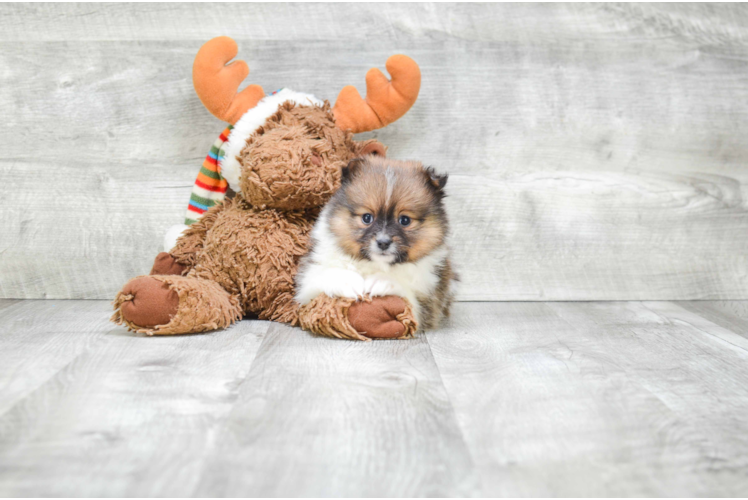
[332, 272]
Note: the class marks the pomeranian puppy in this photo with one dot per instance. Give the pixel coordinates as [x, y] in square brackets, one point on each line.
[383, 233]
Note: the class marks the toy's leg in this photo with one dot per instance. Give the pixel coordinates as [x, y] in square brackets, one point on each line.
[164, 305]
[377, 317]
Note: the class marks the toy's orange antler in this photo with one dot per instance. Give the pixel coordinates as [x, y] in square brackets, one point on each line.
[386, 101]
[216, 82]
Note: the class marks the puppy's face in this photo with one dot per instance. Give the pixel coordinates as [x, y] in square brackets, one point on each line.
[389, 211]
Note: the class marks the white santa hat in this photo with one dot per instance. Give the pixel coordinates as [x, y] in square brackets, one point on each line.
[248, 124]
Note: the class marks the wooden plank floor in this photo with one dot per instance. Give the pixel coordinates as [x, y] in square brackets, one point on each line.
[517, 399]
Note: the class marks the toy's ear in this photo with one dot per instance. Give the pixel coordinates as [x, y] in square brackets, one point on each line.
[350, 170]
[437, 180]
[374, 148]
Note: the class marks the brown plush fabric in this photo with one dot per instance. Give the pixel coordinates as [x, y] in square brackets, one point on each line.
[254, 255]
[147, 302]
[294, 161]
[383, 317]
[190, 244]
[378, 317]
[328, 317]
[242, 256]
[166, 264]
[202, 305]
[290, 168]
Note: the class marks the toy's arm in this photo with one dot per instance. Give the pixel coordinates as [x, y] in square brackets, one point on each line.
[192, 239]
[372, 317]
[183, 256]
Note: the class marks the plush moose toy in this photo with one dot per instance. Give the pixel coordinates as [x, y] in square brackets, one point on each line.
[282, 155]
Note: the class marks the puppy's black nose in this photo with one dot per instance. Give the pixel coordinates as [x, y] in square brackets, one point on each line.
[384, 242]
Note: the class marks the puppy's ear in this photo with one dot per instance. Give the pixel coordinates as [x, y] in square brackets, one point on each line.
[437, 180]
[349, 170]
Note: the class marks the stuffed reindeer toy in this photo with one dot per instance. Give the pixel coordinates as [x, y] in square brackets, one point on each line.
[282, 155]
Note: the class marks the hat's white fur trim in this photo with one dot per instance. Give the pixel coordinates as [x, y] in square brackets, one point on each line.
[249, 123]
[172, 235]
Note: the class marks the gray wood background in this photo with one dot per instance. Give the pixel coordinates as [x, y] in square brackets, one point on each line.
[594, 151]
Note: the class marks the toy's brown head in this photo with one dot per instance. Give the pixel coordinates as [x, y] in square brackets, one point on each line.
[287, 150]
[294, 160]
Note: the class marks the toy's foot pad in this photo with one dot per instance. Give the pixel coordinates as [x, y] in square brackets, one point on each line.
[149, 302]
[378, 318]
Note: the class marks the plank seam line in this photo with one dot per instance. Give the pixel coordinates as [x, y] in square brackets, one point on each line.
[476, 471]
[220, 423]
[701, 330]
[102, 338]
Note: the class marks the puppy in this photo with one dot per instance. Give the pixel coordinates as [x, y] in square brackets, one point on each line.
[383, 233]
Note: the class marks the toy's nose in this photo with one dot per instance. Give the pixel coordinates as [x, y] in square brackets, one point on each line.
[384, 242]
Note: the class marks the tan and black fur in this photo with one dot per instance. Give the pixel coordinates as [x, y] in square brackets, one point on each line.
[387, 221]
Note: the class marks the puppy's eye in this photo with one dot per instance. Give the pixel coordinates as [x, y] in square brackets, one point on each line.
[404, 220]
[367, 219]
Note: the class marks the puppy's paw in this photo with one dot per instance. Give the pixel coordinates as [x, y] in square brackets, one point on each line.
[378, 286]
[344, 283]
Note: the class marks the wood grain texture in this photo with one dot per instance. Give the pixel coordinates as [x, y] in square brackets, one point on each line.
[318, 417]
[127, 415]
[715, 24]
[594, 151]
[6, 303]
[510, 399]
[58, 246]
[707, 324]
[730, 314]
[38, 340]
[596, 399]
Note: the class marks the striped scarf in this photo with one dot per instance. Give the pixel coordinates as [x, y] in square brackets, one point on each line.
[210, 187]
